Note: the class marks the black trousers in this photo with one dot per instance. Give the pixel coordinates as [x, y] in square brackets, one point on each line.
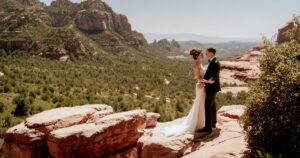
[210, 110]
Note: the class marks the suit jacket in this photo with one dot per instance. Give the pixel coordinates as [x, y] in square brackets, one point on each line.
[213, 71]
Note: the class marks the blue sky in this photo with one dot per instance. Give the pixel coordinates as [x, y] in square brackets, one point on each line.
[221, 18]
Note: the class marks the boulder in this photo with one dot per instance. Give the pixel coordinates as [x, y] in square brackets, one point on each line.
[154, 144]
[64, 117]
[106, 136]
[22, 142]
[29, 138]
[151, 120]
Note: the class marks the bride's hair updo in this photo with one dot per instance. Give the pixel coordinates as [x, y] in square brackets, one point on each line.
[195, 53]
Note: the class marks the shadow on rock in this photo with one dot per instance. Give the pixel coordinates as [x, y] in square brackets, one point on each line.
[205, 137]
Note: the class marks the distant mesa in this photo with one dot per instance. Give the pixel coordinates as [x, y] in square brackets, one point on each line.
[166, 46]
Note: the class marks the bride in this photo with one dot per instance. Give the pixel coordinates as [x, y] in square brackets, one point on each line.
[196, 117]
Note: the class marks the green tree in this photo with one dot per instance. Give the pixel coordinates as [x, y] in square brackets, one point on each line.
[272, 115]
[21, 106]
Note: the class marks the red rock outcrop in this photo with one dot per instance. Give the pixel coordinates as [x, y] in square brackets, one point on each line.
[106, 136]
[244, 67]
[54, 54]
[22, 142]
[155, 145]
[235, 90]
[65, 30]
[151, 120]
[95, 131]
[281, 35]
[64, 117]
[232, 111]
[97, 21]
[227, 140]
[81, 131]
[126, 153]
[29, 139]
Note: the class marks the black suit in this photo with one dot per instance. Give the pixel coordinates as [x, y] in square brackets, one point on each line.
[213, 71]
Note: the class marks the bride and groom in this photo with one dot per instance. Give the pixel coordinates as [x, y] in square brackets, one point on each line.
[202, 116]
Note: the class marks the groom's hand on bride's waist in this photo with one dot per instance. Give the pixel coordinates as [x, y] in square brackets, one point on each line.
[210, 81]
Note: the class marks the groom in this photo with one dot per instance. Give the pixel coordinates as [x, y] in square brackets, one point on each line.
[212, 73]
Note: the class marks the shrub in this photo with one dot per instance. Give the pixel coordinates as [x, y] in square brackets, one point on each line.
[7, 121]
[6, 88]
[1, 107]
[32, 94]
[45, 96]
[54, 99]
[21, 106]
[272, 115]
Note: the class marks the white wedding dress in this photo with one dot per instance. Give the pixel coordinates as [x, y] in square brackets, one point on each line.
[196, 117]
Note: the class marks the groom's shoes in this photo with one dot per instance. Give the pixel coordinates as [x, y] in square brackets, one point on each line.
[204, 130]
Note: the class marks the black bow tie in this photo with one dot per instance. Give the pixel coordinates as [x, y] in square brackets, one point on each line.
[209, 61]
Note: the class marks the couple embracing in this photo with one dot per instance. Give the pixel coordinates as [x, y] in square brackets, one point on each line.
[202, 116]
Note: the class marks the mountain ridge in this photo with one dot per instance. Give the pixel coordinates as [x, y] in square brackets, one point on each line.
[196, 37]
